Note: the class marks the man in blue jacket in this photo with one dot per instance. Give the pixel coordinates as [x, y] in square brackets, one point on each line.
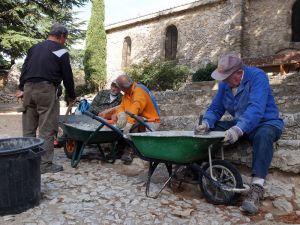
[244, 92]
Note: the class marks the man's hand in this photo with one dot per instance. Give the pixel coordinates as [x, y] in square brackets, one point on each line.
[201, 129]
[122, 120]
[232, 134]
[126, 130]
[19, 94]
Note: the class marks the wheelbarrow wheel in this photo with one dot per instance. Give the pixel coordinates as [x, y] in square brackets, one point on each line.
[227, 176]
[69, 147]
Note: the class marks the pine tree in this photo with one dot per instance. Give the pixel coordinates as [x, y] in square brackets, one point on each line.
[95, 52]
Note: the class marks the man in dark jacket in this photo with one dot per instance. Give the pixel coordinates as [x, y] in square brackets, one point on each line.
[46, 65]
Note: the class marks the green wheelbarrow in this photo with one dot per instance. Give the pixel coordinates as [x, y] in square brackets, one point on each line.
[80, 131]
[219, 180]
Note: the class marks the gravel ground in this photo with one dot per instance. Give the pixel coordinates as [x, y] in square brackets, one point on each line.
[101, 193]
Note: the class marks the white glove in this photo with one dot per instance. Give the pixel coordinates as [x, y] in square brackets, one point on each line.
[201, 129]
[122, 120]
[126, 130]
[232, 134]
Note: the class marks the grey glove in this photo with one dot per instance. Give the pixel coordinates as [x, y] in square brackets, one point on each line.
[232, 134]
[126, 130]
[122, 120]
[201, 129]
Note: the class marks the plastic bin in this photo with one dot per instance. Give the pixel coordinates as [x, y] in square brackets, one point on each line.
[20, 175]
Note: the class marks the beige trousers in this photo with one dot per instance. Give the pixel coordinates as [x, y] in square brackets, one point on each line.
[41, 111]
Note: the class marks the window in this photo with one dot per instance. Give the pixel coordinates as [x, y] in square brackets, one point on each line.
[296, 22]
[126, 53]
[171, 42]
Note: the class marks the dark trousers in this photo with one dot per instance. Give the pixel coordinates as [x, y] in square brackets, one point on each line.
[261, 139]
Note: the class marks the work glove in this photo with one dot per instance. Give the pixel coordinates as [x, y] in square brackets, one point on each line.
[232, 134]
[201, 129]
[122, 120]
[126, 130]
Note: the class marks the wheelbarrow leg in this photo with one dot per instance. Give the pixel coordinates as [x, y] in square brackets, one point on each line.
[152, 167]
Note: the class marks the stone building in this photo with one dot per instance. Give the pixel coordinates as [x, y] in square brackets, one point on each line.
[199, 32]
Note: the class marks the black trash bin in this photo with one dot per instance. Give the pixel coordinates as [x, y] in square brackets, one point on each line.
[20, 175]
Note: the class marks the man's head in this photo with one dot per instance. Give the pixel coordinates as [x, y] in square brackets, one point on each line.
[58, 33]
[230, 70]
[124, 82]
[114, 89]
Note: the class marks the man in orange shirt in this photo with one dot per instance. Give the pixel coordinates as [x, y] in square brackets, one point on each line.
[139, 101]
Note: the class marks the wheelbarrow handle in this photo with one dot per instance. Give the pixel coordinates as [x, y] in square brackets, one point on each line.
[139, 120]
[103, 121]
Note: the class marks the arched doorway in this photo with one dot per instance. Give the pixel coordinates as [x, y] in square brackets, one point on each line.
[171, 42]
[296, 22]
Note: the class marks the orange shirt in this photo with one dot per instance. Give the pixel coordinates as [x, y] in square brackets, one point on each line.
[139, 103]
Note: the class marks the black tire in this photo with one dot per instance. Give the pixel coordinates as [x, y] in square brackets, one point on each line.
[226, 174]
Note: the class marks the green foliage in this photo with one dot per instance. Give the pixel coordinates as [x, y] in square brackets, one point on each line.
[203, 74]
[24, 23]
[4, 64]
[95, 53]
[159, 75]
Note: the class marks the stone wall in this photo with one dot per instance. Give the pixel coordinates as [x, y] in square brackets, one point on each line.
[206, 29]
[267, 27]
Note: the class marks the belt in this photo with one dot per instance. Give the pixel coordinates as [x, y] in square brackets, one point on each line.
[39, 82]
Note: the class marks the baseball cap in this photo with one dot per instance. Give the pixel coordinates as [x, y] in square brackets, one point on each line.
[227, 65]
[58, 29]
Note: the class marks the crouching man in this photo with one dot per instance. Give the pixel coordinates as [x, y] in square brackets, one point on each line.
[139, 101]
[245, 93]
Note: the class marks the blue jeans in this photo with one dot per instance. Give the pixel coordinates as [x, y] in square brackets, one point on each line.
[261, 139]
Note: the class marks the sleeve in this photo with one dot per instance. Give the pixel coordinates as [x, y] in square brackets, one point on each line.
[67, 75]
[96, 102]
[138, 104]
[24, 69]
[216, 109]
[258, 98]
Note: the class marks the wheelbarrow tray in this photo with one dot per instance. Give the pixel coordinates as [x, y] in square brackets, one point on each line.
[73, 130]
[178, 147]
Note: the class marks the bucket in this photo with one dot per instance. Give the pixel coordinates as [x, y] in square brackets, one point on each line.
[20, 175]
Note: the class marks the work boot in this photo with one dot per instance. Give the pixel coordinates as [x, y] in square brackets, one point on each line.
[252, 202]
[127, 157]
[50, 168]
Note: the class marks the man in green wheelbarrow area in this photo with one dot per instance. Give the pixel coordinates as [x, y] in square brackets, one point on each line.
[245, 93]
[139, 101]
[46, 65]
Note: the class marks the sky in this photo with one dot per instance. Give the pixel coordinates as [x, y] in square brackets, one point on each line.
[119, 10]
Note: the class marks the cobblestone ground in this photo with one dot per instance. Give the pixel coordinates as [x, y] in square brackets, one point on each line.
[102, 193]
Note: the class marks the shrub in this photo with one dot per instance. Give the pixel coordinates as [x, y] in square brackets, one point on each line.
[158, 75]
[203, 74]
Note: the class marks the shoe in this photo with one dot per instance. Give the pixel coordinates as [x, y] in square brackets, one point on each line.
[51, 168]
[127, 157]
[252, 202]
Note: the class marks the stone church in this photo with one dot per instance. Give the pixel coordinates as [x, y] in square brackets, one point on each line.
[199, 32]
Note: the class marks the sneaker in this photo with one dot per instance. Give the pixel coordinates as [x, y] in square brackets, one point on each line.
[127, 157]
[252, 202]
[51, 168]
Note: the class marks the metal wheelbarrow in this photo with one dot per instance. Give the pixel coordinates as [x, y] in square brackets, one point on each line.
[219, 180]
[81, 130]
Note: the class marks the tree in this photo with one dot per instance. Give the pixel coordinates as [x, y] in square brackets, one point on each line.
[24, 23]
[95, 53]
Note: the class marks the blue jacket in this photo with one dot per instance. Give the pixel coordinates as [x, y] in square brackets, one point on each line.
[252, 106]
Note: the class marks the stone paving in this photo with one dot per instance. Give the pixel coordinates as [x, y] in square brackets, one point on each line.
[101, 193]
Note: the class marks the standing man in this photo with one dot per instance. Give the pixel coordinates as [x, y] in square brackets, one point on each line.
[46, 65]
[245, 93]
[139, 101]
